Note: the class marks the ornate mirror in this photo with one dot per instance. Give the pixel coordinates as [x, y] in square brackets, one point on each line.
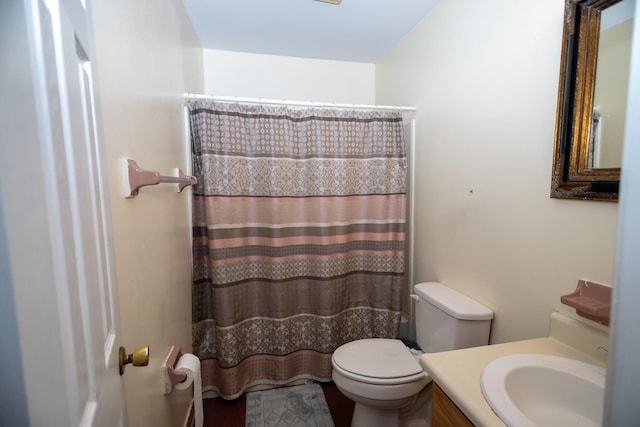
[592, 99]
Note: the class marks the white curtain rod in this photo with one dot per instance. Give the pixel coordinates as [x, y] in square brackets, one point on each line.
[296, 103]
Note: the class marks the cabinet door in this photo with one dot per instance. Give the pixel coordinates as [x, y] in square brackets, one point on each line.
[445, 412]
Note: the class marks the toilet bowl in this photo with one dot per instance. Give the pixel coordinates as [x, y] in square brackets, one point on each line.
[379, 385]
[384, 378]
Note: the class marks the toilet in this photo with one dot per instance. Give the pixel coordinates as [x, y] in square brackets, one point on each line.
[384, 378]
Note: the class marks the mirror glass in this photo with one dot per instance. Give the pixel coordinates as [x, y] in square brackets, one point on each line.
[612, 83]
[592, 99]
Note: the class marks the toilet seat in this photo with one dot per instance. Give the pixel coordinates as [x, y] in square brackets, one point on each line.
[377, 361]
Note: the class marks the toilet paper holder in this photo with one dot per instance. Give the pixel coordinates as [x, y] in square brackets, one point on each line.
[171, 376]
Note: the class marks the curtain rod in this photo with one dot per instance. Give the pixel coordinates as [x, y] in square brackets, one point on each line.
[296, 103]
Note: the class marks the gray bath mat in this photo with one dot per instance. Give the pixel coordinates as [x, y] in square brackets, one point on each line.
[299, 406]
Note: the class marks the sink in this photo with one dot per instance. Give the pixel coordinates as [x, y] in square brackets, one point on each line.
[527, 390]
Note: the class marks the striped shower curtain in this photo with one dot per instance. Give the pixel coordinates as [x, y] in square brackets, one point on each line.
[298, 238]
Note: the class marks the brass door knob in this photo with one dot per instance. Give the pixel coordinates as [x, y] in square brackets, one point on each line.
[139, 357]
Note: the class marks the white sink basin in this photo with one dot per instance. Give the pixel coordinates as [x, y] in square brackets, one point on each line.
[527, 390]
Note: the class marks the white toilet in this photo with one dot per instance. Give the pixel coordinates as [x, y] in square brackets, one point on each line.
[384, 378]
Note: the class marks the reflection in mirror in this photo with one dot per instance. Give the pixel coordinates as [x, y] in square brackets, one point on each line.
[592, 98]
[612, 82]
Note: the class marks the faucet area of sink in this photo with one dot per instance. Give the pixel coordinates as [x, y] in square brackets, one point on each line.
[527, 390]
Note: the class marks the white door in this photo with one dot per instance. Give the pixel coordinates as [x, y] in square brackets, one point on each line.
[57, 221]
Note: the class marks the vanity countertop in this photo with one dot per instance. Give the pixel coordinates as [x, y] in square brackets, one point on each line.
[458, 372]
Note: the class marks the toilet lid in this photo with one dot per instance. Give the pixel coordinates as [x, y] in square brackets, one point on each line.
[377, 358]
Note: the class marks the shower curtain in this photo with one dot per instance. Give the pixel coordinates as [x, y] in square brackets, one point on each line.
[298, 238]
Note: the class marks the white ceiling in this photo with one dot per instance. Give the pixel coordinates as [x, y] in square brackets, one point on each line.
[356, 30]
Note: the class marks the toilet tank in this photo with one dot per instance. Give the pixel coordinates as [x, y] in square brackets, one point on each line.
[448, 320]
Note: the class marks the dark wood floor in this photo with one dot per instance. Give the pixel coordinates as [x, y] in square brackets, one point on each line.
[231, 413]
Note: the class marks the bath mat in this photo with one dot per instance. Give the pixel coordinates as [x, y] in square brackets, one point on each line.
[299, 406]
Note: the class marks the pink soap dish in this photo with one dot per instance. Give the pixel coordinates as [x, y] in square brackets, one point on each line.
[591, 300]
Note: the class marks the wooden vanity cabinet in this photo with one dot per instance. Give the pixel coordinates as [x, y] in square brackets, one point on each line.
[445, 412]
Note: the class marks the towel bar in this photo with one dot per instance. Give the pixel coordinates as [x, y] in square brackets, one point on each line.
[136, 177]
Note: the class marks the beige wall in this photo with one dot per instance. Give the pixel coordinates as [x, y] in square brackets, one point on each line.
[148, 56]
[484, 77]
[284, 77]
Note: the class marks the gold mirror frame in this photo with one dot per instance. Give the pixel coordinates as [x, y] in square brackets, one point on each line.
[572, 177]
